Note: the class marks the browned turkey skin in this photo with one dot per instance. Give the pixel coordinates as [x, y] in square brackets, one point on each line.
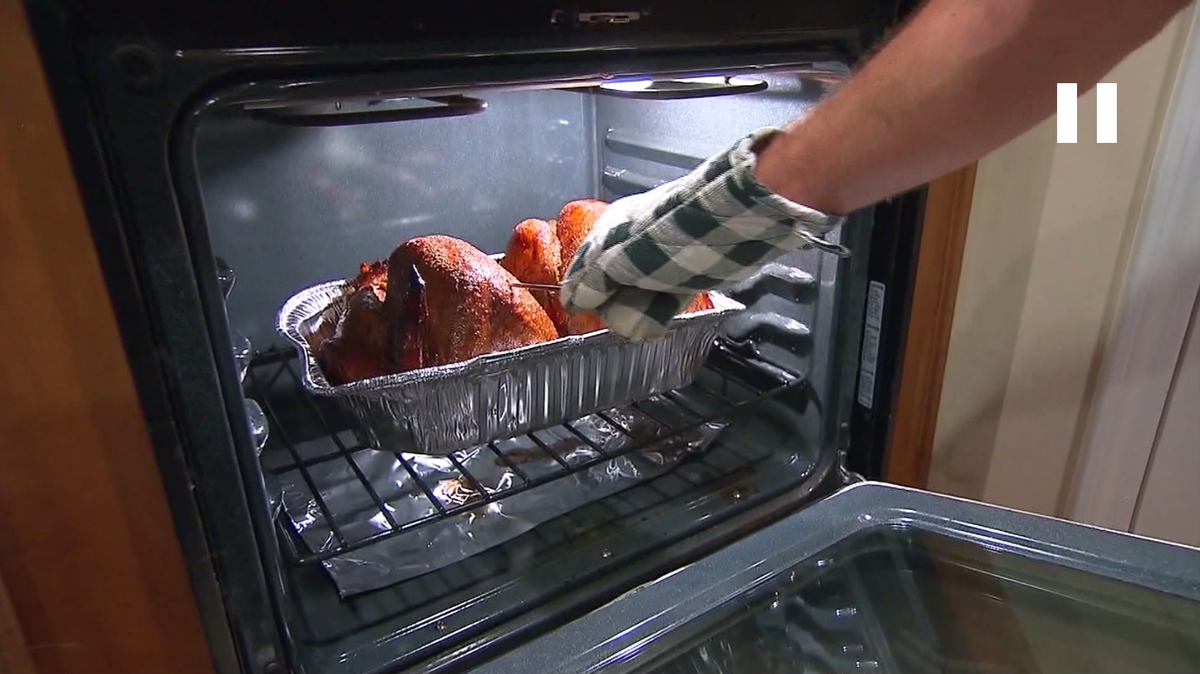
[533, 256]
[439, 300]
[574, 224]
[448, 302]
[356, 351]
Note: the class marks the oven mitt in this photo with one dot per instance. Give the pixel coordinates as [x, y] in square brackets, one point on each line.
[649, 254]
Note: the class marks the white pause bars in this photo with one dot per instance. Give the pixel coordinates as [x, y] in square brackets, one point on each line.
[1106, 112]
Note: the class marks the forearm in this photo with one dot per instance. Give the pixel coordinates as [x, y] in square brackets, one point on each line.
[963, 78]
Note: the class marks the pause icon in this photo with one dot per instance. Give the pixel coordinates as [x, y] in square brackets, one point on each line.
[1106, 112]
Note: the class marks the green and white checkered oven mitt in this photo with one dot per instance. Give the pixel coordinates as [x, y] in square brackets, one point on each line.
[649, 254]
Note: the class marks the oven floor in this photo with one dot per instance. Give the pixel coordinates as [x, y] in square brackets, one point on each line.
[768, 448]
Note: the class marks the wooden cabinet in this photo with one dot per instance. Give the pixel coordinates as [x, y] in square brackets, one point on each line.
[923, 364]
[95, 581]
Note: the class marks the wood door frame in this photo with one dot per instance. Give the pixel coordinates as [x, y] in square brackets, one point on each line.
[1146, 341]
[14, 652]
[927, 338]
[95, 577]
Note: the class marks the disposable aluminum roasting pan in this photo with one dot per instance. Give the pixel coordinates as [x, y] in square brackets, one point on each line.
[439, 410]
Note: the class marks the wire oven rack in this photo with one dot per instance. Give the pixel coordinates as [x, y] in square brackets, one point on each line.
[740, 382]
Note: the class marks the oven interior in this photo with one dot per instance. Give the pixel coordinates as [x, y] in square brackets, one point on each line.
[301, 192]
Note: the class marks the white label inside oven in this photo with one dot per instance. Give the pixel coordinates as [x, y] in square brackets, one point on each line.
[870, 347]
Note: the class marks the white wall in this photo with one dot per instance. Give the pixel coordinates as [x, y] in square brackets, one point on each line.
[1168, 506]
[1046, 251]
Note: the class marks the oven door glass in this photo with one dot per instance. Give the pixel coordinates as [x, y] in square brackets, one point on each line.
[914, 583]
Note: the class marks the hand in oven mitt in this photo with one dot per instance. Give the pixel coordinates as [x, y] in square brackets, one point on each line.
[649, 254]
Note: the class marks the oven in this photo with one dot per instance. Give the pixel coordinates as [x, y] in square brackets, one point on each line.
[231, 157]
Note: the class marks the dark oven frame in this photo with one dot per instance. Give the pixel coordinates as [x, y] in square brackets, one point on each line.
[129, 80]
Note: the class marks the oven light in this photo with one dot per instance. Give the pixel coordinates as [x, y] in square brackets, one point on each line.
[684, 87]
[635, 85]
[642, 85]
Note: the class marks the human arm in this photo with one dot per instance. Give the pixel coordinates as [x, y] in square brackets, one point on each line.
[961, 79]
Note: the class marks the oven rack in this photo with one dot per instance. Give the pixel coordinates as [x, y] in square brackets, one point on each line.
[740, 382]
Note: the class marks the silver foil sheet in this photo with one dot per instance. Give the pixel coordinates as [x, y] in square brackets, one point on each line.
[439, 410]
[447, 541]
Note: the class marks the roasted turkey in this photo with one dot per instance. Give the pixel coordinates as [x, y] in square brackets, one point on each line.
[358, 347]
[372, 275]
[537, 252]
[533, 255]
[575, 222]
[448, 302]
[439, 300]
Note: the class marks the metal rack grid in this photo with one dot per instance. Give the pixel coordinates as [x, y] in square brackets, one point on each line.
[741, 383]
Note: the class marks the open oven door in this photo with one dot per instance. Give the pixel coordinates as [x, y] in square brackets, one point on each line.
[889, 579]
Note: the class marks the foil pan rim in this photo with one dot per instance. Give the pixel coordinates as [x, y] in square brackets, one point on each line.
[299, 308]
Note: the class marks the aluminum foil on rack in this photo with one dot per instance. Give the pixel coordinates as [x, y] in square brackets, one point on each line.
[443, 542]
[440, 410]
